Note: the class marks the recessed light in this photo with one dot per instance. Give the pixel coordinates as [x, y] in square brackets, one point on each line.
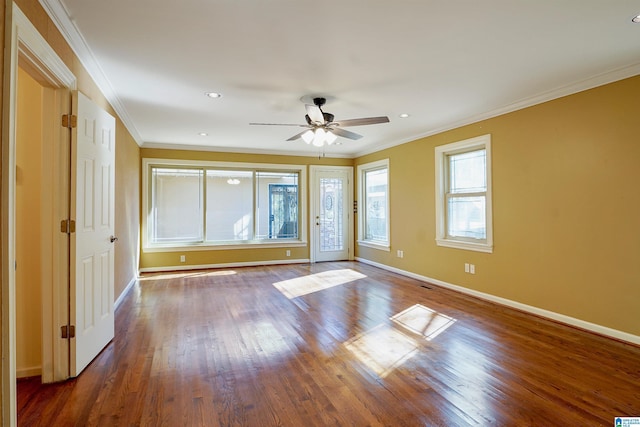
[403, 115]
[203, 134]
[213, 94]
[636, 19]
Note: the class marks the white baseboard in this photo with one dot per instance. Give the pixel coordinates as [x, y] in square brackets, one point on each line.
[592, 327]
[33, 371]
[124, 293]
[227, 265]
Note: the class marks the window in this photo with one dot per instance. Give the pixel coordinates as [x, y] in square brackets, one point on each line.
[205, 204]
[463, 195]
[373, 219]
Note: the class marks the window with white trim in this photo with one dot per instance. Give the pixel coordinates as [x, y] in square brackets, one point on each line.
[463, 195]
[214, 204]
[373, 213]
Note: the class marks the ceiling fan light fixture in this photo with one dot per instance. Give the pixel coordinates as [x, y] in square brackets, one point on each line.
[319, 138]
[308, 136]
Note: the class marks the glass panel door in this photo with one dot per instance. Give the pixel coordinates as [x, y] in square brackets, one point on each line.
[331, 207]
[331, 219]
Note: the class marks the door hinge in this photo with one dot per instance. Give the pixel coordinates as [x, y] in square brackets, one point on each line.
[69, 121]
[68, 331]
[67, 226]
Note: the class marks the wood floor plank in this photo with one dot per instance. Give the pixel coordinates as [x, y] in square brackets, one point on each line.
[339, 343]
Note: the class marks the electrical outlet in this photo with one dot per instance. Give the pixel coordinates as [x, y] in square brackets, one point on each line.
[400, 254]
[472, 268]
[466, 267]
[288, 252]
[183, 258]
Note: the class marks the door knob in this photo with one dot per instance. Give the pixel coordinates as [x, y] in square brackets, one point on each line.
[113, 239]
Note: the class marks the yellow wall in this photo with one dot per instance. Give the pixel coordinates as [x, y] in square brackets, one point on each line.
[150, 260]
[565, 208]
[127, 209]
[28, 229]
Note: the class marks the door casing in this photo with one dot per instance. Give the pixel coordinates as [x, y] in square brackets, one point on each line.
[27, 48]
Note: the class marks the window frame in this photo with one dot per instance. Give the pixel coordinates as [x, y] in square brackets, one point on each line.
[362, 169]
[442, 170]
[149, 246]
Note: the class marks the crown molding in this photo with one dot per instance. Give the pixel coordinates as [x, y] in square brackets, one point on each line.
[208, 148]
[570, 89]
[60, 17]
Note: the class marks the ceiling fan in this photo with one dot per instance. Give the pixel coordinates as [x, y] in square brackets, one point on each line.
[321, 128]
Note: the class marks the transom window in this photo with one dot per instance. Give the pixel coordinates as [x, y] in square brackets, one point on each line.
[218, 204]
[463, 194]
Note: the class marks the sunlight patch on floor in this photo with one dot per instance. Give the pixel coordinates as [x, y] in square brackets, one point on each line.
[423, 321]
[386, 347]
[305, 285]
[382, 349]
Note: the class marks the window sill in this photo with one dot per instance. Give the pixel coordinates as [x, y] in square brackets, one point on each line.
[374, 245]
[468, 246]
[186, 247]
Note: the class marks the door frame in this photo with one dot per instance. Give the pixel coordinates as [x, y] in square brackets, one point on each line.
[27, 48]
[314, 208]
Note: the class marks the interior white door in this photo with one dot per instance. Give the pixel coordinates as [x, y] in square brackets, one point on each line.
[332, 229]
[92, 276]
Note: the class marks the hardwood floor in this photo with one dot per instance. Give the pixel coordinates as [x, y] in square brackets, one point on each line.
[335, 344]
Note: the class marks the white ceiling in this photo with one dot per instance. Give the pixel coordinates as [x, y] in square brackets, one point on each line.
[446, 63]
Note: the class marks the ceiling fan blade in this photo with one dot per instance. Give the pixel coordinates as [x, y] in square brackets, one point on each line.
[297, 135]
[363, 121]
[276, 124]
[345, 133]
[315, 114]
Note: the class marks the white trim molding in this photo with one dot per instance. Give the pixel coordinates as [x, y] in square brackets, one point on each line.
[124, 293]
[557, 317]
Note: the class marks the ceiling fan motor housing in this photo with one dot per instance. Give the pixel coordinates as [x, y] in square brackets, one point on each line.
[328, 118]
[319, 102]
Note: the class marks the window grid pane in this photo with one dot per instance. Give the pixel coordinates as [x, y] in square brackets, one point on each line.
[465, 199]
[177, 205]
[467, 172]
[466, 217]
[376, 182]
[229, 205]
[277, 205]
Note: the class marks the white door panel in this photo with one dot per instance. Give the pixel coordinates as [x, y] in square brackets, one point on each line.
[92, 285]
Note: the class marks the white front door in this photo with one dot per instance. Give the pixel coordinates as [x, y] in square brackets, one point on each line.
[331, 220]
[92, 272]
